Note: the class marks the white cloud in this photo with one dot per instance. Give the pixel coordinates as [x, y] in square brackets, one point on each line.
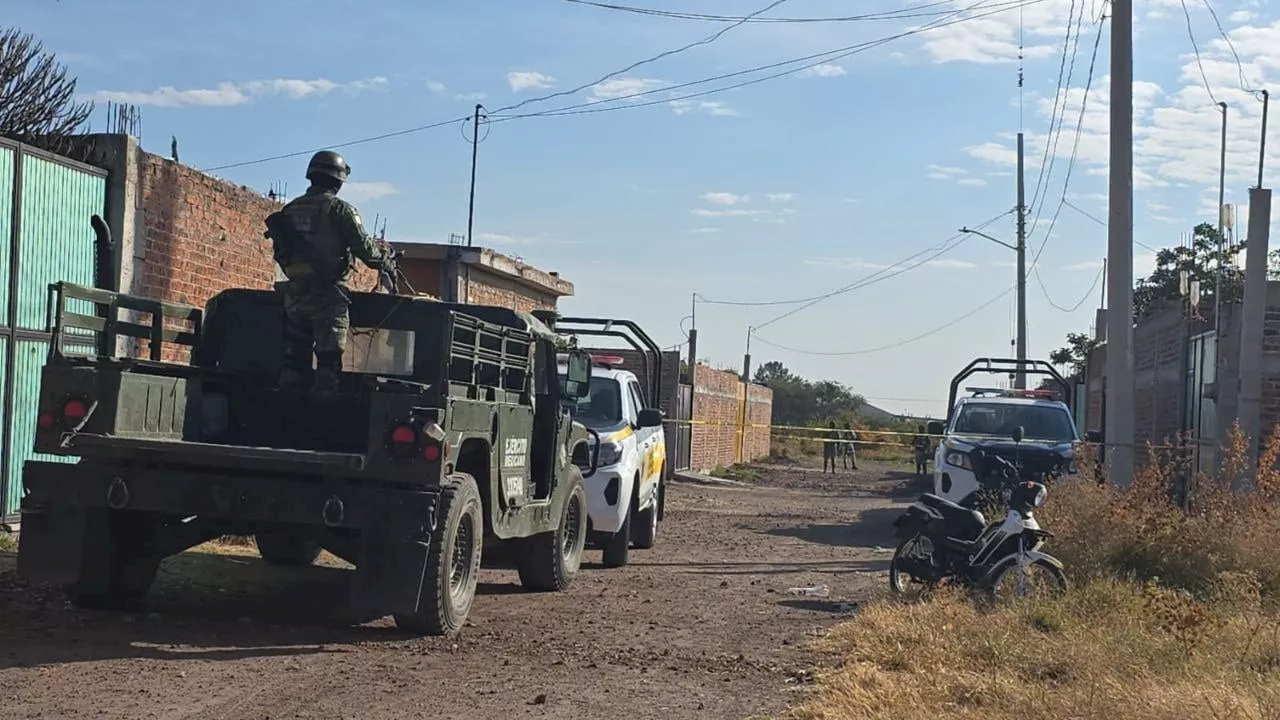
[528, 80]
[972, 182]
[826, 70]
[228, 94]
[682, 107]
[358, 192]
[703, 230]
[1086, 265]
[759, 215]
[1243, 16]
[994, 153]
[471, 97]
[780, 197]
[624, 87]
[435, 86]
[995, 38]
[724, 198]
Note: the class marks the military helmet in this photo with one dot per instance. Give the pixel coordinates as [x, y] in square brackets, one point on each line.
[329, 164]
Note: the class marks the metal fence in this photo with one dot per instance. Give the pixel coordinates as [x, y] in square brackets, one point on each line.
[45, 236]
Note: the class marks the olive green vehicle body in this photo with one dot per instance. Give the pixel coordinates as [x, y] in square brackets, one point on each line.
[167, 455]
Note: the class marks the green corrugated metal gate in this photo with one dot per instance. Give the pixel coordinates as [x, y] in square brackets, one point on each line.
[45, 205]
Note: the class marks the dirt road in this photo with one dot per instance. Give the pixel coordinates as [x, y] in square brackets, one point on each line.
[699, 627]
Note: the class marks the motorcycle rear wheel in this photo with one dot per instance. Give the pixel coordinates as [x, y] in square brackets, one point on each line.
[900, 581]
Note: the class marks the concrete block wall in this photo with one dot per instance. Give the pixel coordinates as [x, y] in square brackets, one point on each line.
[717, 399]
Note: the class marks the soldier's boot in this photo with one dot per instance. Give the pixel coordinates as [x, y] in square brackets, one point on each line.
[328, 367]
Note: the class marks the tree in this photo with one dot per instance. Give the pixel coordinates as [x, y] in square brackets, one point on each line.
[1199, 260]
[37, 98]
[1076, 353]
[797, 401]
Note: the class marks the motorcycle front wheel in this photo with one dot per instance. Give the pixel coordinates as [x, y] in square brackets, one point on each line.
[1041, 578]
[901, 581]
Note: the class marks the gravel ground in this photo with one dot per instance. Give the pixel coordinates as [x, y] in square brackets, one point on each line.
[701, 626]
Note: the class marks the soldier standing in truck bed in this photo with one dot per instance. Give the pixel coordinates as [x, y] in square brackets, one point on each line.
[314, 239]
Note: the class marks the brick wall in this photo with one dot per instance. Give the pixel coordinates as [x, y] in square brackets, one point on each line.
[717, 400]
[200, 235]
[492, 289]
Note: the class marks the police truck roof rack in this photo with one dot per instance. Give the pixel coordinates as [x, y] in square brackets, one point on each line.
[1002, 366]
[638, 339]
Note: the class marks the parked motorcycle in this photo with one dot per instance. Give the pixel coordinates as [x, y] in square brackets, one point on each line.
[943, 541]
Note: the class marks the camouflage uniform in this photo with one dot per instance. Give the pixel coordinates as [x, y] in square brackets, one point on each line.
[315, 298]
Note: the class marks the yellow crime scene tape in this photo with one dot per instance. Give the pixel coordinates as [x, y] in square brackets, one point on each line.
[816, 434]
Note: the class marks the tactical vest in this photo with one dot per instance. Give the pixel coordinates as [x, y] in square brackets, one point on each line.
[324, 256]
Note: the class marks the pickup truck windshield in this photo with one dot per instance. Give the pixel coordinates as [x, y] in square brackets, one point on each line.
[1039, 422]
[603, 406]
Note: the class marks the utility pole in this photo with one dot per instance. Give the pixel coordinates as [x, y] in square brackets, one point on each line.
[1222, 189]
[746, 357]
[1020, 380]
[1020, 377]
[1254, 311]
[475, 143]
[1119, 394]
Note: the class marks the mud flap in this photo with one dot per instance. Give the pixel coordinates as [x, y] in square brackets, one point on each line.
[58, 540]
[392, 562]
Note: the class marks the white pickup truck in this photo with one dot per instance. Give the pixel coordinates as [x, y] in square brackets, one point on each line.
[984, 423]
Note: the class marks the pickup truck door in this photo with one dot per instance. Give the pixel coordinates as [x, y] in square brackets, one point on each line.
[647, 443]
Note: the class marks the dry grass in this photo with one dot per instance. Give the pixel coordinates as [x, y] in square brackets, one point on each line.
[8, 542]
[1174, 613]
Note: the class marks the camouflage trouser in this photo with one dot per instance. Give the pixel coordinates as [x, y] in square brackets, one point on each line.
[315, 318]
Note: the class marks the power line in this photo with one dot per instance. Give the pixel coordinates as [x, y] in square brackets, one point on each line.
[909, 12]
[704, 41]
[1075, 307]
[1075, 149]
[1101, 222]
[582, 108]
[898, 344]
[1245, 85]
[1056, 136]
[811, 61]
[1196, 47]
[1058, 99]
[961, 237]
[857, 284]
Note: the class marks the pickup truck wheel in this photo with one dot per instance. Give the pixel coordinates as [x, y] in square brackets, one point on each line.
[119, 570]
[646, 522]
[549, 561]
[618, 546]
[285, 548]
[453, 563]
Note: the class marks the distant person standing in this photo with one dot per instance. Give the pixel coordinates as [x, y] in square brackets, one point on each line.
[830, 446]
[848, 451]
[922, 445]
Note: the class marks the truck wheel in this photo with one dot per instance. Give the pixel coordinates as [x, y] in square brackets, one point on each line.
[453, 562]
[618, 546]
[117, 568]
[549, 561]
[281, 547]
[646, 522]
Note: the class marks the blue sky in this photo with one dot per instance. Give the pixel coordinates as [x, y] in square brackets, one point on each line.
[785, 189]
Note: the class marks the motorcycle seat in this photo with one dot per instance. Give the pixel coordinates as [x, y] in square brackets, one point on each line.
[961, 523]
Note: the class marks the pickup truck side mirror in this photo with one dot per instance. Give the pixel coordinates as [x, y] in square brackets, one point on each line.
[650, 417]
[935, 428]
[1018, 434]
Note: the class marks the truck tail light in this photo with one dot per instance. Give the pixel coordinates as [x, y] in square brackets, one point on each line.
[402, 440]
[431, 452]
[74, 412]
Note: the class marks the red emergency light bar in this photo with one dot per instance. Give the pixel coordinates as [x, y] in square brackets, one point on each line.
[608, 360]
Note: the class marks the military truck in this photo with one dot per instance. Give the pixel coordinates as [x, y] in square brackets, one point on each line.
[451, 431]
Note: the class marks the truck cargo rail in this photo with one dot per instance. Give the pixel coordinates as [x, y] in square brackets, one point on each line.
[102, 330]
[189, 452]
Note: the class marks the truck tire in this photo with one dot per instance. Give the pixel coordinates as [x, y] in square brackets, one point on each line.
[278, 546]
[453, 562]
[645, 526]
[117, 569]
[618, 546]
[549, 561]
